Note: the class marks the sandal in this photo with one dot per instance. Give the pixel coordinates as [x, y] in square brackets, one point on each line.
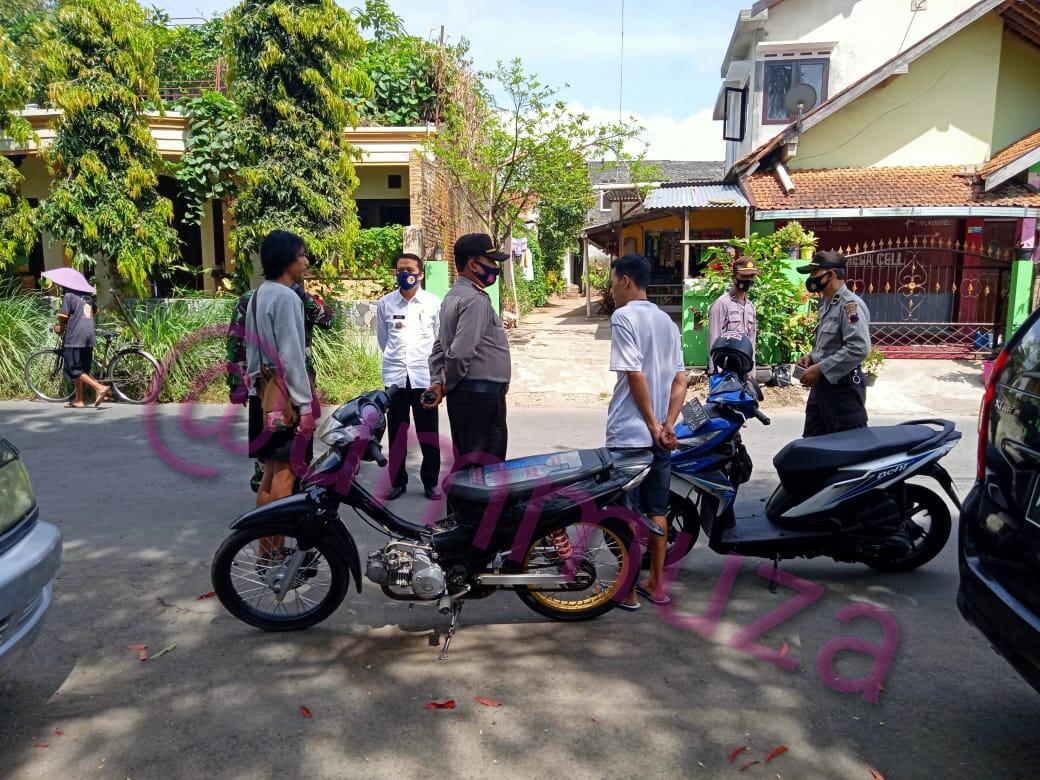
[71, 405]
[648, 595]
[630, 607]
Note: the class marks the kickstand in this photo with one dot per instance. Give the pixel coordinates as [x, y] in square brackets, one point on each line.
[776, 568]
[456, 608]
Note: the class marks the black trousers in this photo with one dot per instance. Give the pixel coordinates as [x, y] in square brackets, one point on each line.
[426, 422]
[478, 423]
[836, 407]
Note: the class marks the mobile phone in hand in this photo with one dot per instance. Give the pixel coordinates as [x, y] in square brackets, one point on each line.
[798, 371]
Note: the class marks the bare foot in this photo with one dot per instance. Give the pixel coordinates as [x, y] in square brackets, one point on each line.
[101, 396]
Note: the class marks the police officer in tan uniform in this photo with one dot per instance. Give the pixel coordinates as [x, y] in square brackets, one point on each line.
[837, 398]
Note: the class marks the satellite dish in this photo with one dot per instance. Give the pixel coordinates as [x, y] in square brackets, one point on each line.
[800, 99]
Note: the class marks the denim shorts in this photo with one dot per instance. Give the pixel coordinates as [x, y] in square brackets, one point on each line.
[654, 494]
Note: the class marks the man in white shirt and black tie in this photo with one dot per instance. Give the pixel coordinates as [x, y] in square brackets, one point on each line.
[407, 324]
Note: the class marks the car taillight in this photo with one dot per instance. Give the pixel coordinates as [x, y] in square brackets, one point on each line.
[987, 403]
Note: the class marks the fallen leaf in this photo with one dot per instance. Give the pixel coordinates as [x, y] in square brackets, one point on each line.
[205, 596]
[165, 650]
[441, 705]
[749, 764]
[137, 647]
[779, 750]
[737, 752]
[489, 702]
[59, 732]
[593, 720]
[306, 712]
[876, 775]
[142, 655]
[41, 745]
[783, 649]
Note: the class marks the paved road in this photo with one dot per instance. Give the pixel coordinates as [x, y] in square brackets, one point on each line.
[621, 696]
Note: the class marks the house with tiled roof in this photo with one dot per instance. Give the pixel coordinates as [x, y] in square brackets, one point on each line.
[925, 171]
[680, 209]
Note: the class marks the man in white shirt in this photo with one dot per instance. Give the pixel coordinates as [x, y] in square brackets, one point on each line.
[407, 324]
[646, 353]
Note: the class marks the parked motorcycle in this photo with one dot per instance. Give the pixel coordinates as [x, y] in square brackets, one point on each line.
[844, 495]
[552, 528]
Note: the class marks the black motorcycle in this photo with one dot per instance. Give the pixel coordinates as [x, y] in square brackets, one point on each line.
[553, 528]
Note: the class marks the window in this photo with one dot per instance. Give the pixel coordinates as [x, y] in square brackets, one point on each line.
[781, 75]
[393, 181]
[604, 204]
[734, 124]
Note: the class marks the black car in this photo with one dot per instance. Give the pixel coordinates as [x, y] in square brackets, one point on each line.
[1000, 521]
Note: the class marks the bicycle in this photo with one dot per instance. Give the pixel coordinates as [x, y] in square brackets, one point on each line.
[132, 373]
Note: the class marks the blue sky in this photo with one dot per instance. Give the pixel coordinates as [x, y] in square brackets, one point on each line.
[673, 52]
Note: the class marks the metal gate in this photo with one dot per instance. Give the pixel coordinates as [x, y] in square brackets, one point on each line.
[930, 298]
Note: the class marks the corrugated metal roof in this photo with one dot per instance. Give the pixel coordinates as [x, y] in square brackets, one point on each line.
[696, 196]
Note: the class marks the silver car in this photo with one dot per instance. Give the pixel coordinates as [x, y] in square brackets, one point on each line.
[30, 552]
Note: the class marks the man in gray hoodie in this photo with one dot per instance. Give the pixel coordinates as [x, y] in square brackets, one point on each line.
[275, 338]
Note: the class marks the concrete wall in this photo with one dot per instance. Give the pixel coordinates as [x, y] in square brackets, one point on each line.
[373, 184]
[868, 33]
[940, 113]
[1018, 92]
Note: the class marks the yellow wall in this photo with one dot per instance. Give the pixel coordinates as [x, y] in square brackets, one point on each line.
[700, 219]
[940, 113]
[1018, 92]
[373, 180]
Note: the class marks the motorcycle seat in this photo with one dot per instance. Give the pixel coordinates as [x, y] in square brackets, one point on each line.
[517, 479]
[819, 455]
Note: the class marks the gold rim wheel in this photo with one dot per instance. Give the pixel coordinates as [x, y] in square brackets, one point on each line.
[593, 546]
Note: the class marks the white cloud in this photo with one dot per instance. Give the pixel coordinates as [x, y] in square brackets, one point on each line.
[694, 137]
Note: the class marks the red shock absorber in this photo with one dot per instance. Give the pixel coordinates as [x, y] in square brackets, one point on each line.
[562, 544]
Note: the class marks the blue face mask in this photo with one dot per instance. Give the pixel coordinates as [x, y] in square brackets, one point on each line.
[489, 275]
[406, 280]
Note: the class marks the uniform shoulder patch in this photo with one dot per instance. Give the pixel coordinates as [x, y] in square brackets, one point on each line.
[851, 312]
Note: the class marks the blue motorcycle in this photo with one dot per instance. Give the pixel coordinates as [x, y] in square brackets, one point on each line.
[844, 495]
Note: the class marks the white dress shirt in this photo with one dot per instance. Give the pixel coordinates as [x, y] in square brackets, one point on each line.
[406, 329]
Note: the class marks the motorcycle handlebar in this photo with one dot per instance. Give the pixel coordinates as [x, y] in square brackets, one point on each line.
[761, 417]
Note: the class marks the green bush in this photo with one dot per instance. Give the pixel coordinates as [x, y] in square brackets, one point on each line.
[347, 362]
[25, 320]
[784, 322]
[375, 251]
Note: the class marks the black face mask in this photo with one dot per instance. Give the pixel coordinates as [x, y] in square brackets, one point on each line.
[816, 284]
[743, 284]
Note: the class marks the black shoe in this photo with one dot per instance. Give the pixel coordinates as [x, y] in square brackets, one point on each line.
[433, 494]
[395, 492]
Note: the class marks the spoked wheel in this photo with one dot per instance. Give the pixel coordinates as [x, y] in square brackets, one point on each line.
[927, 524]
[134, 376]
[45, 375]
[251, 573]
[684, 525]
[600, 561]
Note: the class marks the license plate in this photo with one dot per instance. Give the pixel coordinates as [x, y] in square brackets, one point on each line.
[693, 415]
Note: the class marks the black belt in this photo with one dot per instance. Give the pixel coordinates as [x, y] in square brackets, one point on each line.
[483, 386]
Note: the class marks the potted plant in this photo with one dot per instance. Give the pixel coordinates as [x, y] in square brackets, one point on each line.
[793, 238]
[872, 364]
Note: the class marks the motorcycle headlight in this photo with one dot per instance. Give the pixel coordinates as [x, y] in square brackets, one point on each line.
[335, 434]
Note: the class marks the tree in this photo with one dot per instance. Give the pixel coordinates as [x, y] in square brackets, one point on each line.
[103, 204]
[507, 157]
[291, 63]
[17, 235]
[186, 54]
[18, 16]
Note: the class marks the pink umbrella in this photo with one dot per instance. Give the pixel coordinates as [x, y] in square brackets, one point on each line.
[69, 278]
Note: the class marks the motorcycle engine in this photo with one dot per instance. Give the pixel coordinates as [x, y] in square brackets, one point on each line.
[407, 565]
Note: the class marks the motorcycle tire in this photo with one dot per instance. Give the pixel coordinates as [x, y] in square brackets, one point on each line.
[618, 539]
[921, 498]
[223, 573]
[683, 518]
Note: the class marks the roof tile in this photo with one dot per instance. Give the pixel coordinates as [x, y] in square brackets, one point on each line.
[1011, 153]
[882, 188]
